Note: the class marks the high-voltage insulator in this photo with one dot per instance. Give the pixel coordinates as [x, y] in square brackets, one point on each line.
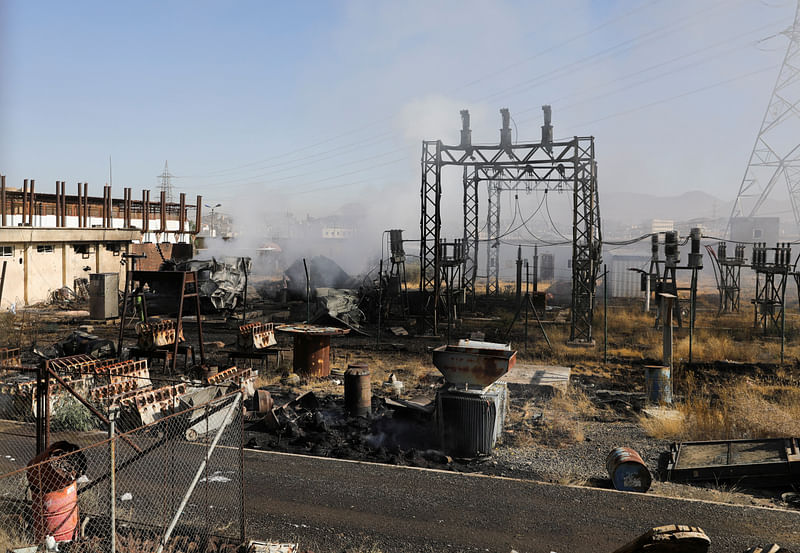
[654, 247]
[396, 245]
[695, 257]
[672, 255]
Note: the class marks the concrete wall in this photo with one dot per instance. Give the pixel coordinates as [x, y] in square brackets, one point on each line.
[33, 273]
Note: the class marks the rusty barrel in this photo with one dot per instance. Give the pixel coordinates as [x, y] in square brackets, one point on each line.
[658, 384]
[55, 513]
[627, 471]
[312, 355]
[54, 492]
[357, 390]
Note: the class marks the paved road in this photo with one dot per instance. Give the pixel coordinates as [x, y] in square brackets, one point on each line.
[330, 505]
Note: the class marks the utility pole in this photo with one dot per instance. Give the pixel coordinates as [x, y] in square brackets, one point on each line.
[165, 182]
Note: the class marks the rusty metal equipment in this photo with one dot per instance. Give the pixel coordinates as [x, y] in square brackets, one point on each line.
[474, 366]
[470, 421]
[241, 378]
[627, 470]
[76, 364]
[10, 357]
[255, 336]
[357, 390]
[766, 462]
[158, 334]
[141, 407]
[312, 348]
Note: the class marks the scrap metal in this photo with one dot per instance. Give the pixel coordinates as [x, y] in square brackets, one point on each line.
[10, 357]
[255, 336]
[157, 334]
[221, 282]
[146, 406]
[774, 461]
[242, 378]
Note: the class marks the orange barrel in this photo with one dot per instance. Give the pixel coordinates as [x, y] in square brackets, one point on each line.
[51, 476]
[55, 513]
[627, 471]
[357, 390]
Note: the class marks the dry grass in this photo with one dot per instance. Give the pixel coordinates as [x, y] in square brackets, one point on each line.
[744, 408]
[10, 539]
[572, 480]
[561, 424]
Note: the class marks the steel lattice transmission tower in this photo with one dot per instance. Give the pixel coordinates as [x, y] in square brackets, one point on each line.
[165, 182]
[776, 153]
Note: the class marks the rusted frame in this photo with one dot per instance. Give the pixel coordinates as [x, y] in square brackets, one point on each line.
[86, 404]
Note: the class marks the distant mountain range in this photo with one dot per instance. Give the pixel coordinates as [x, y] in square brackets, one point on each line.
[635, 208]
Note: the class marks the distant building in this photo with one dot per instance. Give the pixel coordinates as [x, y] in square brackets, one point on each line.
[755, 229]
[662, 225]
[48, 241]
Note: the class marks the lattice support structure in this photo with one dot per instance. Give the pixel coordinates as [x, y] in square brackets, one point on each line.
[470, 272]
[550, 166]
[728, 271]
[771, 278]
[493, 243]
[776, 154]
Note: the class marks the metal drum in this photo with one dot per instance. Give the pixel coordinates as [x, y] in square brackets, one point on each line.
[658, 384]
[627, 471]
[357, 390]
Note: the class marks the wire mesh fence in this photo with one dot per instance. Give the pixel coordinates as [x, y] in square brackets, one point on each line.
[133, 463]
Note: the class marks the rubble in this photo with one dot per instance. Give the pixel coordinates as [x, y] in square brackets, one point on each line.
[221, 281]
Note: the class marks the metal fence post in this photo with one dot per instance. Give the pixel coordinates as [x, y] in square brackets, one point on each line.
[112, 418]
[242, 527]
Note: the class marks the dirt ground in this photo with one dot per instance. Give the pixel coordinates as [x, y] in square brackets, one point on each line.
[562, 439]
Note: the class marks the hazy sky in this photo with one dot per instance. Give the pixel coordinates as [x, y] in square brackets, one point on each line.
[309, 105]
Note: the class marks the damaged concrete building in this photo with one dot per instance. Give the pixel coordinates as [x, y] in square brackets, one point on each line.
[50, 241]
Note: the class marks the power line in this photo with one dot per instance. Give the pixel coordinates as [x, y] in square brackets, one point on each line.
[465, 85]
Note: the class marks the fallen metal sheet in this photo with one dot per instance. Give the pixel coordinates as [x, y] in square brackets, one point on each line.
[201, 422]
[341, 304]
[766, 462]
[221, 281]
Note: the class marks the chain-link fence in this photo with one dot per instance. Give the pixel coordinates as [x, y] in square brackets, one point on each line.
[133, 464]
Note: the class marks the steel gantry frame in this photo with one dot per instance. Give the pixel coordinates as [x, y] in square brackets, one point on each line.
[545, 165]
